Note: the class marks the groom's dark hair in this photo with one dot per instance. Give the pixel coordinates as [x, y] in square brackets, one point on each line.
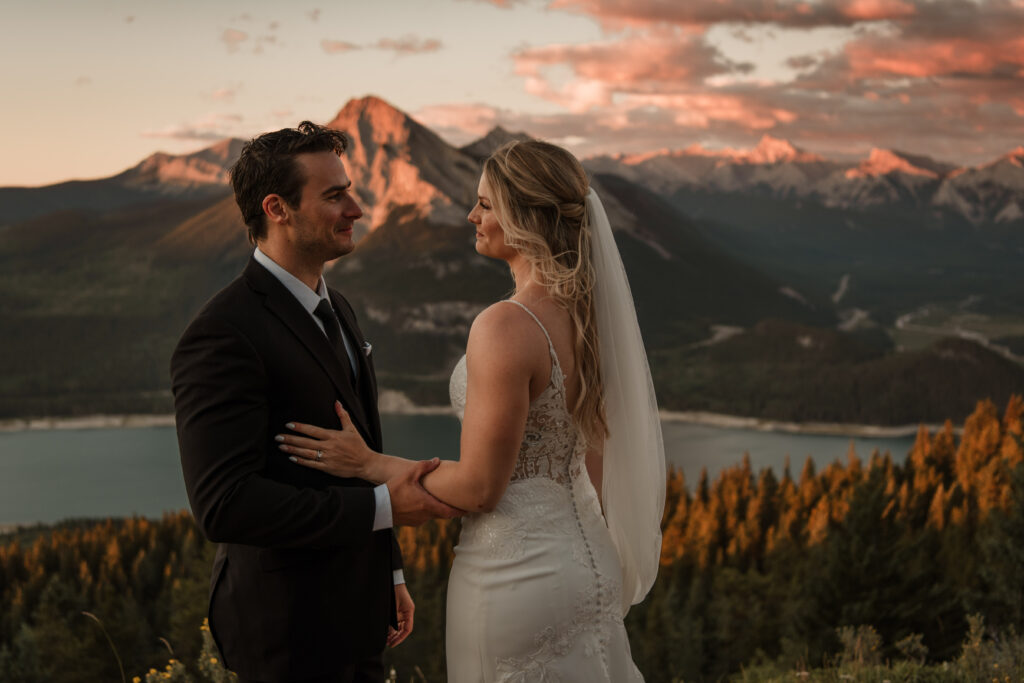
[267, 166]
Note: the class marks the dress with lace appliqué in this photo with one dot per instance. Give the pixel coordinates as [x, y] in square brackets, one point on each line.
[534, 593]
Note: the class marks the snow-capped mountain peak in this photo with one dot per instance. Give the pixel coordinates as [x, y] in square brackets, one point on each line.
[991, 191]
[772, 150]
[885, 161]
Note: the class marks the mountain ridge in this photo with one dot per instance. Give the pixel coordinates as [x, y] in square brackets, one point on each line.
[98, 289]
[435, 181]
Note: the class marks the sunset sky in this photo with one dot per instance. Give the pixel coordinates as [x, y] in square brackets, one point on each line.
[91, 88]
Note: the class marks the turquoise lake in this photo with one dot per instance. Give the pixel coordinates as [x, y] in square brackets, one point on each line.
[49, 475]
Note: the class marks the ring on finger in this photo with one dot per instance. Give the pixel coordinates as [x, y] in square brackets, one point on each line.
[319, 455]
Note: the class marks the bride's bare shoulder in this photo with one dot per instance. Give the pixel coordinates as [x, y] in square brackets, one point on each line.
[500, 317]
[503, 327]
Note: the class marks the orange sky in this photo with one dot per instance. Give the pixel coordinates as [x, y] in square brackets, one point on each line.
[96, 88]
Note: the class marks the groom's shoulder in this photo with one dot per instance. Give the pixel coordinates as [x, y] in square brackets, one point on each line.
[231, 308]
[235, 297]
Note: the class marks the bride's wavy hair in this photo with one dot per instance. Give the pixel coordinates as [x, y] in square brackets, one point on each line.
[539, 193]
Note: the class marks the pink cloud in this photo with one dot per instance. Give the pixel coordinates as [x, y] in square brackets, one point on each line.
[233, 38]
[617, 14]
[212, 126]
[226, 94]
[336, 47]
[460, 123]
[877, 10]
[939, 77]
[503, 4]
[918, 58]
[702, 110]
[662, 61]
[407, 45]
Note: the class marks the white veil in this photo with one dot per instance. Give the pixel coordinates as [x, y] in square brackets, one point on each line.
[633, 487]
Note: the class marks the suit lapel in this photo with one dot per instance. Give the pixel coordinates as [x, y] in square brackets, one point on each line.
[286, 307]
[367, 377]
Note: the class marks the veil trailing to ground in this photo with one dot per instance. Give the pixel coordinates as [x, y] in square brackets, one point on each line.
[633, 488]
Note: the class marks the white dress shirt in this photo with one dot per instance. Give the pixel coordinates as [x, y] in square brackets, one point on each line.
[382, 518]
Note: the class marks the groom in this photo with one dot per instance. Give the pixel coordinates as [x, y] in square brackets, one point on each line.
[307, 575]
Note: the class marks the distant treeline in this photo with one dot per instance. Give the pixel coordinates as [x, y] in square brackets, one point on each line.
[775, 370]
[865, 561]
[786, 371]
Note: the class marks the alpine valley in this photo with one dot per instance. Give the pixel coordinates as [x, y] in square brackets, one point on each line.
[769, 282]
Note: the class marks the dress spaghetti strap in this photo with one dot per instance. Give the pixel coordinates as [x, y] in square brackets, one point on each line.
[551, 347]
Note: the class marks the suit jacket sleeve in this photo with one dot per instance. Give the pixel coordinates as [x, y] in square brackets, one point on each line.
[396, 552]
[219, 385]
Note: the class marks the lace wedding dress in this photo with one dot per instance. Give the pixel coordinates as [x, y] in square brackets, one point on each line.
[535, 590]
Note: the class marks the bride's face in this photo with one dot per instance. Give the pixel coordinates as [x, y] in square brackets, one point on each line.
[490, 238]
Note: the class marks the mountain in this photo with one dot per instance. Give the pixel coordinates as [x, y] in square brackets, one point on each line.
[987, 194]
[217, 233]
[993, 192]
[183, 174]
[901, 230]
[495, 138]
[417, 282]
[774, 166]
[772, 150]
[882, 162]
[398, 164]
[98, 282]
[188, 176]
[885, 177]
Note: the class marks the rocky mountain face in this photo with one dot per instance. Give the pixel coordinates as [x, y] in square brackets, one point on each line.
[198, 175]
[418, 281]
[112, 269]
[397, 164]
[186, 173]
[993, 192]
[485, 146]
[990, 193]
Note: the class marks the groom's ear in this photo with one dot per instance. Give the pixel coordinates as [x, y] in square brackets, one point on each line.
[275, 208]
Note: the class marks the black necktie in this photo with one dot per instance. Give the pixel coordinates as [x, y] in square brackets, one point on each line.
[332, 326]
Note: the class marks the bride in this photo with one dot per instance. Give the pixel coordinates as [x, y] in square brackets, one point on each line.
[556, 402]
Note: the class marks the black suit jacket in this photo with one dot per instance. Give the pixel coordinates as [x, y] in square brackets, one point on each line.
[301, 584]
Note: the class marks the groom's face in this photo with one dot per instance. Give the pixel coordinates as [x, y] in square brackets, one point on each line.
[321, 225]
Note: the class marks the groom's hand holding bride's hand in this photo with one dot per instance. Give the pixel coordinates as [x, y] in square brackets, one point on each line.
[411, 504]
[344, 453]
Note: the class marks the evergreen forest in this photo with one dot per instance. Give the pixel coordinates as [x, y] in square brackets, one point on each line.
[869, 569]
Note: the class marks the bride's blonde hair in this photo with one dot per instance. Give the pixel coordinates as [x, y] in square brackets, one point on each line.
[539, 198]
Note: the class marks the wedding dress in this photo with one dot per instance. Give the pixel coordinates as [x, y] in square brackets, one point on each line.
[535, 593]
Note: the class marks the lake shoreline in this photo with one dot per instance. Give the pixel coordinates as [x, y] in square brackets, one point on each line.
[138, 421]
[760, 424]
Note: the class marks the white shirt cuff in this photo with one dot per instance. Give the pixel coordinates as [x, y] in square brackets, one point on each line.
[382, 517]
[399, 576]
